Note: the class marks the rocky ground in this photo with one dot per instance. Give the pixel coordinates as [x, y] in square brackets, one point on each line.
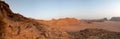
[95, 34]
[16, 26]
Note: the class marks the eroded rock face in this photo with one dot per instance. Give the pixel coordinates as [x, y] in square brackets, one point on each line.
[16, 26]
[66, 22]
[2, 28]
[2, 22]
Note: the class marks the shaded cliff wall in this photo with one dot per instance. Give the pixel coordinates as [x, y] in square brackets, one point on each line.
[3, 7]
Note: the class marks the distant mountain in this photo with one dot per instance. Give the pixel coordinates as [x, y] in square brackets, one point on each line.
[16, 26]
[66, 22]
[115, 19]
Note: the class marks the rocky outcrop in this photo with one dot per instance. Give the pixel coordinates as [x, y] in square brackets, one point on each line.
[66, 22]
[2, 20]
[115, 19]
[95, 34]
[16, 26]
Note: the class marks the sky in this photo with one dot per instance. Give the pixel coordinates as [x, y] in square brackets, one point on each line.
[80, 9]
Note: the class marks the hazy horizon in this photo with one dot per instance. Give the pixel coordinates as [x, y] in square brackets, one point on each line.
[80, 9]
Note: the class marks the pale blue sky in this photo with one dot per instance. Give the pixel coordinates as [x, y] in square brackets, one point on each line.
[80, 9]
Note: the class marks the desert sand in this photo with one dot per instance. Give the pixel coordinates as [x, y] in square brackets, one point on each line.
[107, 25]
[16, 26]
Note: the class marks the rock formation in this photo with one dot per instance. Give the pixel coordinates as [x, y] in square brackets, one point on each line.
[66, 22]
[95, 34]
[115, 19]
[16, 26]
[2, 19]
